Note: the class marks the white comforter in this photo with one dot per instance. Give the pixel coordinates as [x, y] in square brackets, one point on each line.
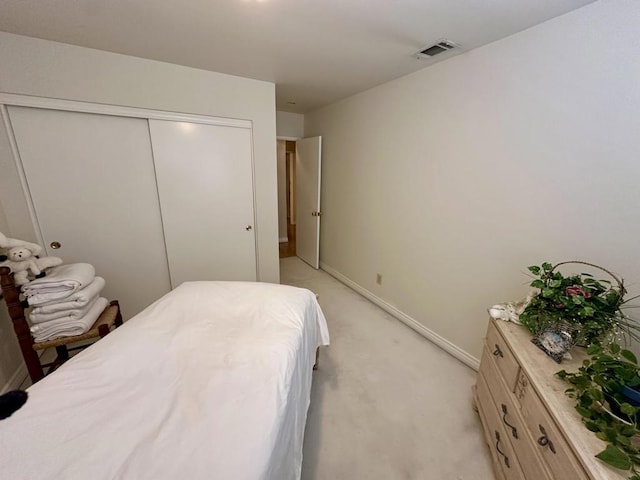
[212, 381]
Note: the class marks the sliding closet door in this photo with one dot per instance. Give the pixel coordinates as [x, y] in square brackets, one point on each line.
[205, 182]
[93, 187]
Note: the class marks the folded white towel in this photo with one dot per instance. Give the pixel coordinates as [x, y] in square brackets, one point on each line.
[60, 282]
[37, 318]
[64, 327]
[76, 300]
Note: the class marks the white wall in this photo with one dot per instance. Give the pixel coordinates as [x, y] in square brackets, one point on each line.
[290, 125]
[452, 180]
[48, 69]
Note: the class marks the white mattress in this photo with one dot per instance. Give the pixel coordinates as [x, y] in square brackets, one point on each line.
[212, 381]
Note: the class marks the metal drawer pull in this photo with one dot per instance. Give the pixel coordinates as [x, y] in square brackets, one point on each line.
[497, 352]
[506, 459]
[514, 430]
[543, 441]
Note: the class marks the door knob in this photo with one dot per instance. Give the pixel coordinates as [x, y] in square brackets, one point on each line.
[55, 245]
[248, 227]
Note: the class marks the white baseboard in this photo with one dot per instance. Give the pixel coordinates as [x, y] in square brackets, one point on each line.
[440, 341]
[283, 239]
[16, 379]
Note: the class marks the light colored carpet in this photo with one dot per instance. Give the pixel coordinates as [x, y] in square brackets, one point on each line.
[386, 403]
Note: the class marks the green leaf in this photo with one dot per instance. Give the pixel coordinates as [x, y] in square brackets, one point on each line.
[585, 412]
[624, 441]
[615, 457]
[537, 284]
[596, 394]
[627, 409]
[546, 266]
[548, 292]
[610, 434]
[594, 350]
[534, 269]
[614, 348]
[628, 355]
[592, 426]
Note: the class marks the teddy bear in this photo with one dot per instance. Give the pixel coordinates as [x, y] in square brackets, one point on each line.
[22, 258]
[6, 242]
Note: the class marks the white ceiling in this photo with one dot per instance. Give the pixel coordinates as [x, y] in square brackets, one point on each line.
[316, 51]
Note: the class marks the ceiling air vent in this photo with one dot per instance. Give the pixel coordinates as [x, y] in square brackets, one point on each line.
[440, 47]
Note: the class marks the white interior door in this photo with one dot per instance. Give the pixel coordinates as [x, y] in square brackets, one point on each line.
[308, 163]
[205, 182]
[93, 188]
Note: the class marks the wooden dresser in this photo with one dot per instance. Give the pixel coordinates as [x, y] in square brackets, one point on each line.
[530, 425]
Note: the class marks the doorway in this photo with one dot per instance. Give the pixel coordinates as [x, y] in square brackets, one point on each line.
[299, 166]
[286, 197]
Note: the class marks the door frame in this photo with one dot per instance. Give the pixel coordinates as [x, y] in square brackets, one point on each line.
[11, 99]
[295, 140]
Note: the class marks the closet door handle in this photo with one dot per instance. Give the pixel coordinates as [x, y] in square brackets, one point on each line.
[248, 228]
[514, 430]
[497, 352]
[55, 245]
[506, 459]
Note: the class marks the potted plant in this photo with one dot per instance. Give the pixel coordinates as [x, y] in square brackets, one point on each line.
[593, 308]
[605, 388]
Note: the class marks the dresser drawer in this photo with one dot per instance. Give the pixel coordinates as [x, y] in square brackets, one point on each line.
[509, 413]
[504, 359]
[551, 445]
[497, 438]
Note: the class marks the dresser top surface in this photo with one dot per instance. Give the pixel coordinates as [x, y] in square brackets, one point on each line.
[541, 370]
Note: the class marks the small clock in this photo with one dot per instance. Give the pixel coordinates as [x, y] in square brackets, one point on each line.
[554, 341]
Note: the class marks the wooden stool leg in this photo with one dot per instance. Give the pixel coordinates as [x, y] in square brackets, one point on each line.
[32, 360]
[118, 320]
[103, 330]
[20, 325]
[63, 352]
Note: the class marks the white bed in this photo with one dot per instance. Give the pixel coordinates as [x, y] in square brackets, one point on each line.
[212, 381]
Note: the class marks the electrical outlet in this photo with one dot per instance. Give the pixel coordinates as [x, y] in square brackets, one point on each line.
[379, 279]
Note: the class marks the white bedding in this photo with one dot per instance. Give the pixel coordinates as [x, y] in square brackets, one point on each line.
[212, 381]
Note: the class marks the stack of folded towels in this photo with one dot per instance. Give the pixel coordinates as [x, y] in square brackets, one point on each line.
[66, 302]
